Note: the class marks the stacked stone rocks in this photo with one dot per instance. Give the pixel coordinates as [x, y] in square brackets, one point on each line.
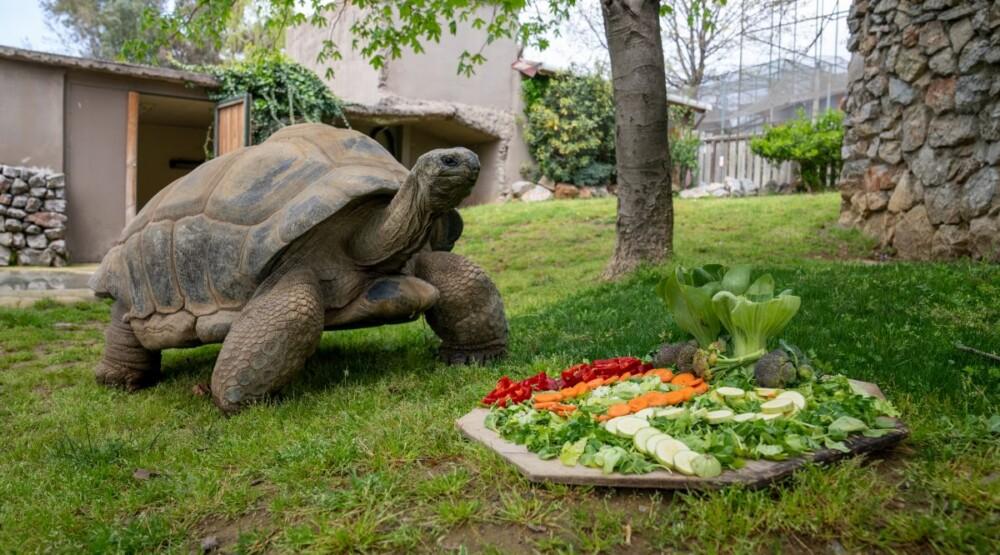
[32, 217]
[922, 127]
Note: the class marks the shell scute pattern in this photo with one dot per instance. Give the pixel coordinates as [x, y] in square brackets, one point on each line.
[205, 241]
[157, 248]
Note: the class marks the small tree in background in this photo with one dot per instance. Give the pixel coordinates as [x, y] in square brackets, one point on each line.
[813, 145]
[570, 128]
[111, 29]
[684, 145]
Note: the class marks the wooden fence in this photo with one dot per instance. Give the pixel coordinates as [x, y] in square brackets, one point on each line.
[725, 156]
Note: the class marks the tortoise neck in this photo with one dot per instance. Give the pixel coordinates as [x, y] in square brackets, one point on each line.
[400, 230]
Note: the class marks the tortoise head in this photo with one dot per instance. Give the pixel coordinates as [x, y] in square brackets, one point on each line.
[446, 176]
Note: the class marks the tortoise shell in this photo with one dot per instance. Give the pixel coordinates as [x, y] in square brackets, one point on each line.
[205, 242]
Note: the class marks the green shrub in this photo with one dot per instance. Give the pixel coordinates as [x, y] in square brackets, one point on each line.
[684, 145]
[282, 91]
[684, 142]
[815, 146]
[570, 128]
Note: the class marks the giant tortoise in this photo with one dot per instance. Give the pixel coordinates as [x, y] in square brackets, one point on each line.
[316, 228]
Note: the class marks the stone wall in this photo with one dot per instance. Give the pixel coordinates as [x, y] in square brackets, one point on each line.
[922, 127]
[32, 217]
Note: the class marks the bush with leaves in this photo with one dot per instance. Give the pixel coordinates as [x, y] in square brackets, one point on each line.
[570, 128]
[814, 145]
[282, 91]
[684, 145]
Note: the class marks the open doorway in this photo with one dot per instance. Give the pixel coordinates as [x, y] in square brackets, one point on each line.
[172, 139]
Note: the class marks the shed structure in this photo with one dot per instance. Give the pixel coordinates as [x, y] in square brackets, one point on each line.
[119, 132]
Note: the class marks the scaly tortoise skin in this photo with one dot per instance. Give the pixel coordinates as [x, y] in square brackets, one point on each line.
[264, 248]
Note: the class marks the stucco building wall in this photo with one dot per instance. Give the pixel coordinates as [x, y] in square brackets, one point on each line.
[95, 167]
[354, 79]
[31, 115]
[426, 102]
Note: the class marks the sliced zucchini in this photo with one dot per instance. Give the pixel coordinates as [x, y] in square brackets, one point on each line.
[706, 466]
[652, 441]
[745, 417]
[640, 437]
[766, 392]
[671, 413]
[771, 416]
[682, 462]
[719, 416]
[666, 449]
[612, 425]
[629, 425]
[795, 397]
[645, 413]
[731, 392]
[777, 406]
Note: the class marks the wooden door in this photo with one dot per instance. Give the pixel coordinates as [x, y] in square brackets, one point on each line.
[131, 155]
[232, 124]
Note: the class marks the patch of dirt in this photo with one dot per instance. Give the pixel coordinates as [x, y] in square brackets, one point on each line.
[475, 537]
[216, 534]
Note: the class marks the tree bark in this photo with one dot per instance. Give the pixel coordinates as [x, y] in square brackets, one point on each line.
[645, 204]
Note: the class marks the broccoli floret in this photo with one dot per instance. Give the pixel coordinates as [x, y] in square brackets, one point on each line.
[685, 357]
[675, 355]
[775, 369]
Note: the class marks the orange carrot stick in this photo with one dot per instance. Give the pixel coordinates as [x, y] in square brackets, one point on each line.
[683, 379]
[637, 404]
[548, 397]
[620, 409]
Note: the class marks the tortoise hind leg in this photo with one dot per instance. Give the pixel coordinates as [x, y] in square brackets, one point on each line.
[469, 316]
[126, 364]
[269, 342]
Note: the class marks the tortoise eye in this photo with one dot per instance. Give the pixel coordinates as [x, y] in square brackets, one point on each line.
[449, 161]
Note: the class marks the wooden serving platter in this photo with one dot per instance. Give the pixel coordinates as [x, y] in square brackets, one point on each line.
[755, 473]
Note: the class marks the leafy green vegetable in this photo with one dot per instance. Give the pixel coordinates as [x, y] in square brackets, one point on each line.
[692, 309]
[608, 457]
[846, 425]
[755, 317]
[688, 294]
[571, 452]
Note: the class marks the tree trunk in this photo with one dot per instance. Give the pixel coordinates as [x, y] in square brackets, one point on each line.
[645, 204]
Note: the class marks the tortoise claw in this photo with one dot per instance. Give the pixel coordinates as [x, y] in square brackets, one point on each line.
[471, 355]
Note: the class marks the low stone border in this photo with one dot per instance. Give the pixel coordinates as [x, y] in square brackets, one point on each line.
[32, 217]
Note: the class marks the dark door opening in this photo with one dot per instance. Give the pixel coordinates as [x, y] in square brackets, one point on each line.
[172, 139]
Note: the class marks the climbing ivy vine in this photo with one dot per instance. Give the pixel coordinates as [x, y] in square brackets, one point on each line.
[282, 91]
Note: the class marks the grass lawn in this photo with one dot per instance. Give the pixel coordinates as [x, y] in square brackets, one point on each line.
[361, 453]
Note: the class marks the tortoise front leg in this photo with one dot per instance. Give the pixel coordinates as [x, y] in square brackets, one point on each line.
[126, 363]
[469, 316]
[269, 342]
